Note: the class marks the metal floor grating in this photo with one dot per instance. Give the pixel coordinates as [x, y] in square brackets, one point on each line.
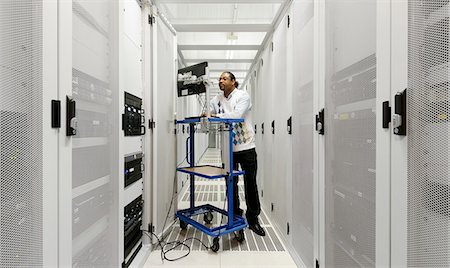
[213, 192]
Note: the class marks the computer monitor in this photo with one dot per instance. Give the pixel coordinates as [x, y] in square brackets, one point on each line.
[190, 80]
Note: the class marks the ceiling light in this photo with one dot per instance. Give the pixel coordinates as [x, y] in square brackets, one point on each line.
[232, 36]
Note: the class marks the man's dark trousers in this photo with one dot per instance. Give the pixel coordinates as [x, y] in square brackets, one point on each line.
[248, 162]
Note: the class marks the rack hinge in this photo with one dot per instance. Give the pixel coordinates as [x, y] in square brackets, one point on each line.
[320, 122]
[151, 19]
[272, 46]
[273, 127]
[287, 228]
[151, 124]
[317, 263]
[288, 21]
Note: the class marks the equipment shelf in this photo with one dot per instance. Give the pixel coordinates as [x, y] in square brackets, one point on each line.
[208, 172]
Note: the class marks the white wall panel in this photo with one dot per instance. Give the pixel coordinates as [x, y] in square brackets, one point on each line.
[132, 66]
[164, 137]
[303, 131]
[132, 24]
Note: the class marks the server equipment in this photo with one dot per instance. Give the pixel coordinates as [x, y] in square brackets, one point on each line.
[132, 228]
[133, 168]
[133, 118]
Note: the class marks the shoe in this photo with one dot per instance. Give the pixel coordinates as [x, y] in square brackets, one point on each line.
[240, 212]
[257, 229]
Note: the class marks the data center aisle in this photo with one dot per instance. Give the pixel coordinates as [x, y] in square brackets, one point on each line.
[255, 251]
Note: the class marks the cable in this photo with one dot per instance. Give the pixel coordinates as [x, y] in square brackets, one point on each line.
[203, 105]
[175, 244]
[161, 243]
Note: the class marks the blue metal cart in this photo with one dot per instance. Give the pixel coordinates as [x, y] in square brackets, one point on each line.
[236, 223]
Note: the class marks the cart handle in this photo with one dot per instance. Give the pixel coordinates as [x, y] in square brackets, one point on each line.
[187, 150]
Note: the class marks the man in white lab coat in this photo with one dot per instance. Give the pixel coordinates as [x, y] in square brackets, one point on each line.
[234, 103]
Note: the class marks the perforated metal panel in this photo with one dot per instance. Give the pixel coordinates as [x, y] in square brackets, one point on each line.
[428, 134]
[94, 150]
[350, 134]
[21, 138]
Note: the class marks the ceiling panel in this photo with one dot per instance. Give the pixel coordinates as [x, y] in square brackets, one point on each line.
[219, 54]
[220, 13]
[228, 66]
[206, 38]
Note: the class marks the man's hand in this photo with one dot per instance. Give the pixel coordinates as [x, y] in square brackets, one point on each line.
[204, 115]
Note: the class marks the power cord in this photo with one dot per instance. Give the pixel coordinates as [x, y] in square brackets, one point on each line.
[174, 244]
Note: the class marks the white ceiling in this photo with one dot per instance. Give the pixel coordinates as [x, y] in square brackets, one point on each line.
[217, 28]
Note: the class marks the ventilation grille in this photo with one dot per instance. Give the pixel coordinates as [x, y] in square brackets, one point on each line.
[21, 133]
[428, 141]
[302, 175]
[350, 165]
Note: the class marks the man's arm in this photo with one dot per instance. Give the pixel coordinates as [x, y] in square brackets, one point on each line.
[242, 106]
[212, 108]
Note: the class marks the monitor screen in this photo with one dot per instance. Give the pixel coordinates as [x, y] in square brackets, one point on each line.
[190, 80]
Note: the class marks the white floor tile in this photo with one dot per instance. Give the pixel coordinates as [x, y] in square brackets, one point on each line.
[256, 259]
[197, 259]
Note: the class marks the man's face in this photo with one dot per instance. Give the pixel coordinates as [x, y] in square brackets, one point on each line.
[225, 82]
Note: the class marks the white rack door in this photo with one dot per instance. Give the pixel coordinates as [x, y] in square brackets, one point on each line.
[428, 217]
[95, 180]
[28, 164]
[302, 131]
[350, 133]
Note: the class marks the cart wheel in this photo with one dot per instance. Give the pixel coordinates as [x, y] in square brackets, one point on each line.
[183, 225]
[208, 217]
[240, 236]
[215, 245]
